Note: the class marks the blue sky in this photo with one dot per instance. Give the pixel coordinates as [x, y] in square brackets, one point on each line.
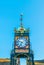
[33, 17]
[23, 60]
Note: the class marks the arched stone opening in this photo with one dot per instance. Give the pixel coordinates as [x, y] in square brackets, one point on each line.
[19, 56]
[22, 56]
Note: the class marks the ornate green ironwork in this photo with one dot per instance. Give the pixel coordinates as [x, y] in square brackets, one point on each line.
[22, 32]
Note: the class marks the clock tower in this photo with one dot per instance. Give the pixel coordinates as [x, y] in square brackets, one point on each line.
[21, 46]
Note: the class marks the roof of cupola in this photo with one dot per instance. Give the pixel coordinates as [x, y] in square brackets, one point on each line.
[21, 29]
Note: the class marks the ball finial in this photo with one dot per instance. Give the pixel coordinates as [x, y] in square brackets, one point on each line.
[21, 14]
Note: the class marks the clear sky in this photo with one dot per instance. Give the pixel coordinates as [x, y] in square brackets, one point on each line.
[33, 17]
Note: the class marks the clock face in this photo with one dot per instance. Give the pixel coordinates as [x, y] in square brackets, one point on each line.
[21, 42]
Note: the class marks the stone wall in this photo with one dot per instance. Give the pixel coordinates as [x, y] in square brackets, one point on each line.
[4, 63]
[7, 62]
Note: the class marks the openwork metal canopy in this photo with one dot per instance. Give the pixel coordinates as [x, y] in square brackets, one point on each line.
[22, 47]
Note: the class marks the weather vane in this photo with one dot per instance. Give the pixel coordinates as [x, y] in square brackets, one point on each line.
[21, 15]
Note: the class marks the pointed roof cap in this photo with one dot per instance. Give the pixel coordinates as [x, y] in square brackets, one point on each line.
[21, 29]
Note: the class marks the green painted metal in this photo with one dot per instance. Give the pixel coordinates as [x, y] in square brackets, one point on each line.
[21, 32]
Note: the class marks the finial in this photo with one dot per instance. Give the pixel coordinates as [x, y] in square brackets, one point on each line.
[21, 19]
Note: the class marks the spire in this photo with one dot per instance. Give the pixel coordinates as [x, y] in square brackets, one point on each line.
[21, 15]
